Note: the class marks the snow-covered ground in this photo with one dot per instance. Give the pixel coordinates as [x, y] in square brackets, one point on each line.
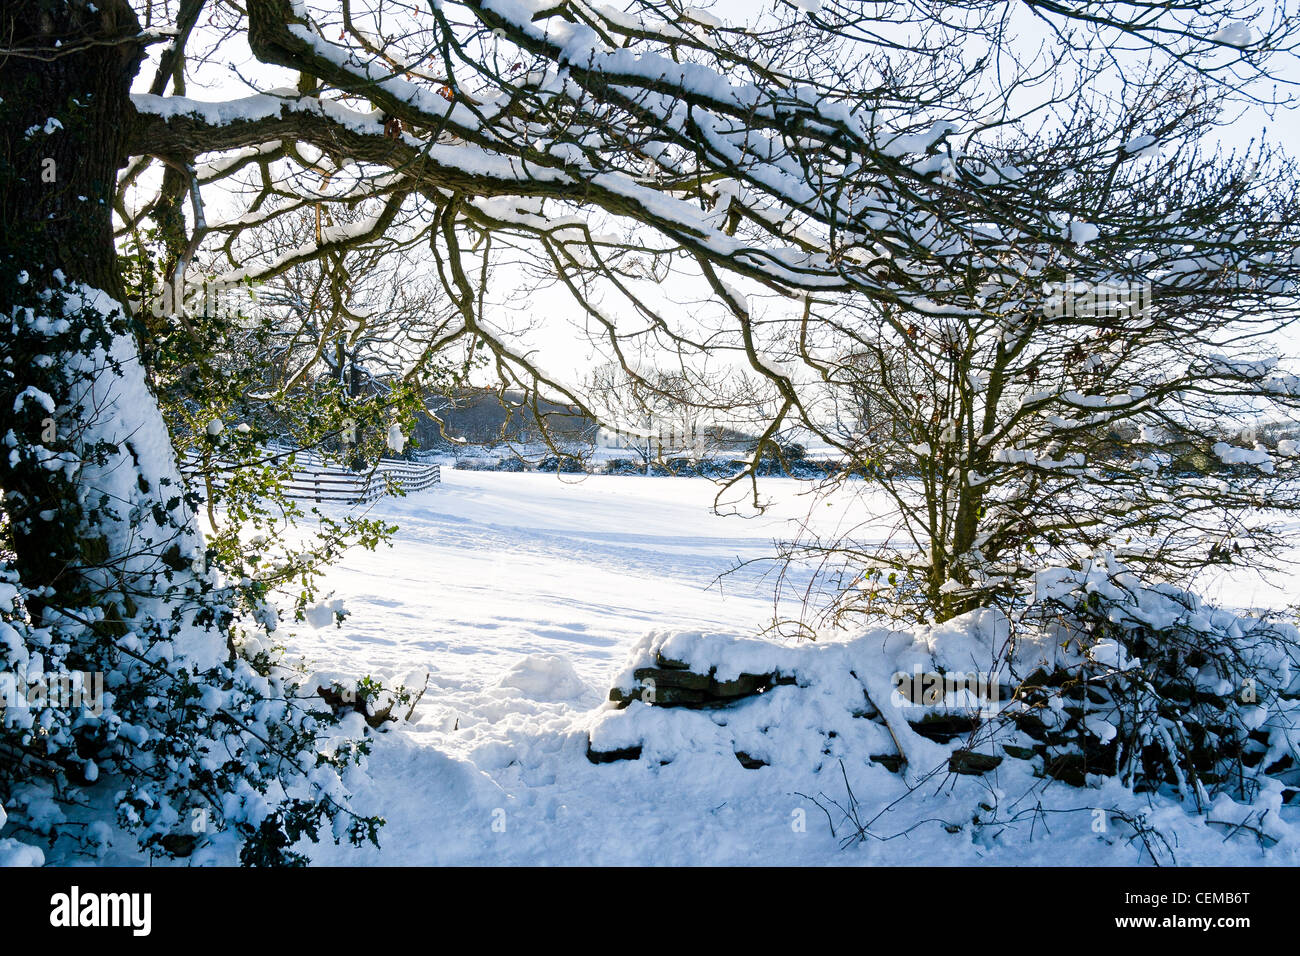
[491, 567]
[520, 595]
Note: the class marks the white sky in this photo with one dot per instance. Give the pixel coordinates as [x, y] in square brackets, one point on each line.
[553, 316]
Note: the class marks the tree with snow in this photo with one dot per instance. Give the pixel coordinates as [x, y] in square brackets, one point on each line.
[1055, 400]
[659, 414]
[839, 156]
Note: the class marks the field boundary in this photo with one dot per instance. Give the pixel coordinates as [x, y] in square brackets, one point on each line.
[314, 480]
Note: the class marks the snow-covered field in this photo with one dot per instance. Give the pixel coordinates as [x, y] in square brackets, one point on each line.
[491, 567]
[519, 595]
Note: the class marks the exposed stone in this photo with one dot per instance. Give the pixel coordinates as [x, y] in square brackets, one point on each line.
[972, 763]
[671, 664]
[941, 728]
[1252, 756]
[676, 685]
[1058, 735]
[180, 844]
[623, 698]
[1068, 768]
[891, 762]
[676, 697]
[609, 756]
[1031, 724]
[664, 677]
[742, 686]
[1020, 753]
[933, 688]
[1282, 764]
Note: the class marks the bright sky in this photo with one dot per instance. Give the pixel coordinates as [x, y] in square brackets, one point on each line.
[554, 320]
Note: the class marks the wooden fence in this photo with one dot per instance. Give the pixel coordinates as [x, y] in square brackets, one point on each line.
[314, 480]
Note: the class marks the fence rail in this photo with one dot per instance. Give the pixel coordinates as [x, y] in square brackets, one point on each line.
[313, 480]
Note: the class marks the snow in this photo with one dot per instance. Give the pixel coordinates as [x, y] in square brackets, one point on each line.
[702, 17]
[13, 853]
[1109, 653]
[522, 598]
[1235, 455]
[324, 613]
[129, 418]
[1102, 729]
[50, 127]
[489, 568]
[1081, 233]
[544, 677]
[32, 393]
[1141, 145]
[1234, 34]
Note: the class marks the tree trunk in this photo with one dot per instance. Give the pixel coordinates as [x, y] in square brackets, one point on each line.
[59, 182]
[91, 493]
